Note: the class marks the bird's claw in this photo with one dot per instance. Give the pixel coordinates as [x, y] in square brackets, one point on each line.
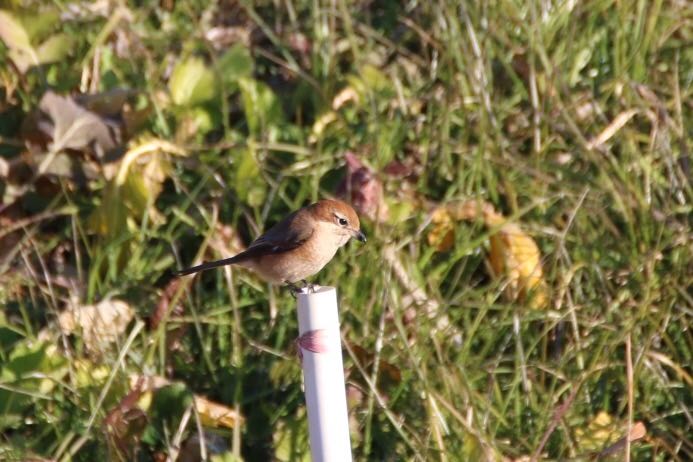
[309, 286]
[293, 289]
[306, 288]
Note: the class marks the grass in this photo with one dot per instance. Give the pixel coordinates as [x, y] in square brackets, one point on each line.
[211, 120]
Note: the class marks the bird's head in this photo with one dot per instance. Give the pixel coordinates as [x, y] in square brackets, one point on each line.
[339, 219]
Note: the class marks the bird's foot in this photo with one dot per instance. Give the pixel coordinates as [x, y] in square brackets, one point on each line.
[293, 288]
[305, 288]
[309, 286]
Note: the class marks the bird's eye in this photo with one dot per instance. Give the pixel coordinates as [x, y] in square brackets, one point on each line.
[342, 221]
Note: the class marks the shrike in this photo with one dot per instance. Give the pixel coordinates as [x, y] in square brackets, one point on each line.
[297, 247]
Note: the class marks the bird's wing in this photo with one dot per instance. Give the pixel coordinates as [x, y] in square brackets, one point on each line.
[286, 235]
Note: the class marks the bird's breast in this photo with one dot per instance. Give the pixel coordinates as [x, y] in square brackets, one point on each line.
[297, 264]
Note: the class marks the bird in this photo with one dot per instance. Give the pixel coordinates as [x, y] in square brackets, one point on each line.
[297, 247]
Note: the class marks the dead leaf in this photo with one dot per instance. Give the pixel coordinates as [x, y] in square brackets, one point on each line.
[4, 168]
[442, 235]
[211, 413]
[223, 37]
[125, 422]
[163, 306]
[97, 324]
[344, 96]
[66, 166]
[513, 254]
[618, 123]
[109, 103]
[408, 169]
[387, 371]
[216, 415]
[363, 189]
[164, 310]
[71, 126]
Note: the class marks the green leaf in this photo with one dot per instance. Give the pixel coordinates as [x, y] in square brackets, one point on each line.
[375, 79]
[14, 35]
[249, 185]
[261, 107]
[235, 64]
[291, 438]
[192, 83]
[168, 405]
[225, 457]
[109, 218]
[171, 401]
[33, 370]
[55, 48]
[39, 26]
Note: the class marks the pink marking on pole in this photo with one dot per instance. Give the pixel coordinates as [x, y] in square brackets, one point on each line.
[313, 341]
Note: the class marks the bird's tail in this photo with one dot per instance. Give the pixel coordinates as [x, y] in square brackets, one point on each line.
[208, 265]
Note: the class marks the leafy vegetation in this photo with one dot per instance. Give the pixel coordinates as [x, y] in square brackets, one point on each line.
[523, 174]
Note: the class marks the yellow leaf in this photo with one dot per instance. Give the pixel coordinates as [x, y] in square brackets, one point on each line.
[211, 413]
[89, 374]
[513, 254]
[442, 236]
[216, 415]
[600, 432]
[320, 124]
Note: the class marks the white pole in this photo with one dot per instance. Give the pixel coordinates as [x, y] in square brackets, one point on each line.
[320, 346]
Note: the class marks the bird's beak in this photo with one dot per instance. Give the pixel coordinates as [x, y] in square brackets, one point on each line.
[358, 234]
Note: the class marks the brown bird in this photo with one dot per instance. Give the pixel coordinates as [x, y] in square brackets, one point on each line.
[297, 247]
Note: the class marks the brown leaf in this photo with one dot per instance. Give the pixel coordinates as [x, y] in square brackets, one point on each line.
[108, 103]
[386, 370]
[163, 307]
[408, 169]
[164, 310]
[300, 43]
[125, 422]
[363, 189]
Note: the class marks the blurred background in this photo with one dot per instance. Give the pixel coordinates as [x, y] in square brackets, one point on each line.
[522, 171]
